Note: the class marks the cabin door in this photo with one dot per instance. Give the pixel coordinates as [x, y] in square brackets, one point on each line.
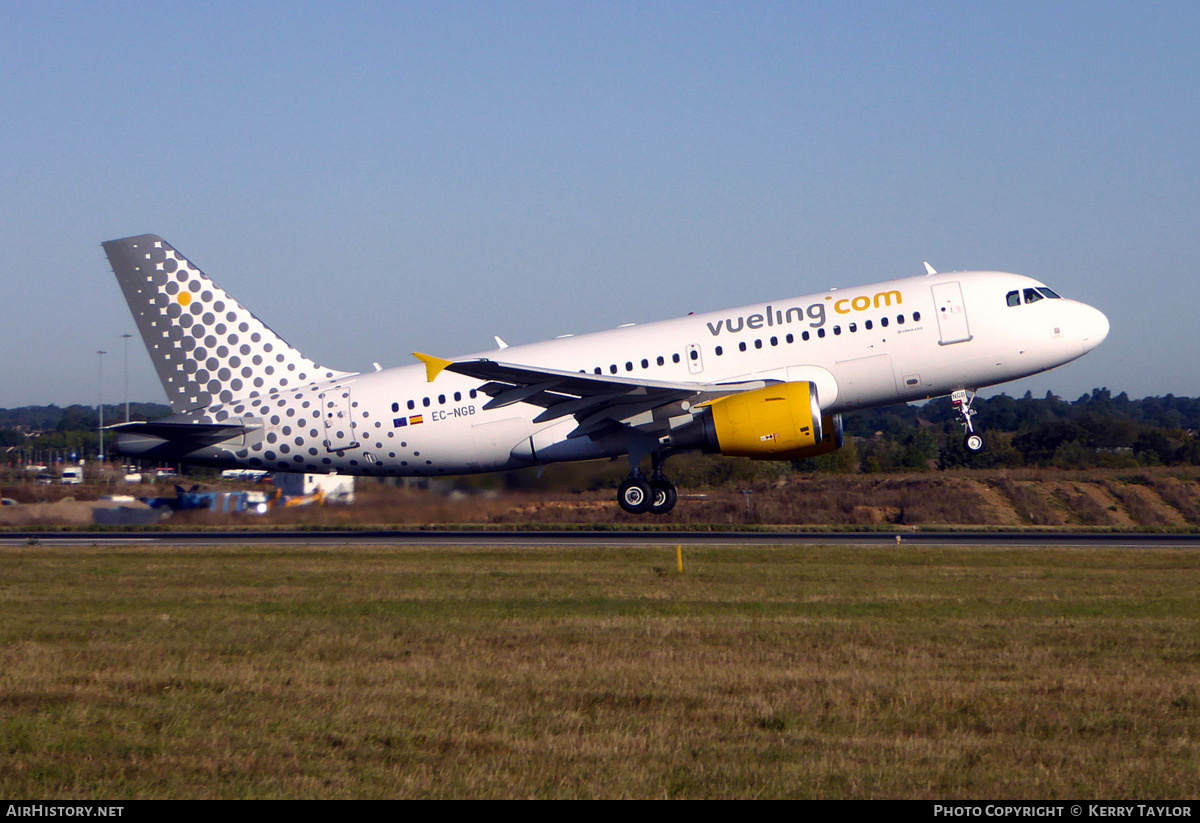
[951, 314]
[339, 424]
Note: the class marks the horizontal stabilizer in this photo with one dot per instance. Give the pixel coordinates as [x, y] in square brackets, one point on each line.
[187, 432]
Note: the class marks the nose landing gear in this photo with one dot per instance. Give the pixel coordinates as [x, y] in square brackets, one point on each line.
[962, 399]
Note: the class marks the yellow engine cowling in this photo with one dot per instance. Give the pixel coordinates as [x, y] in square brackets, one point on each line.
[771, 423]
[831, 428]
[780, 422]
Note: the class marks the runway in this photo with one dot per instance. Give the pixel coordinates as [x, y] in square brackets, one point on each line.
[1129, 540]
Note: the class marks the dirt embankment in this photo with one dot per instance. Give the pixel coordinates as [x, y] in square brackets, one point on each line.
[79, 513]
[1145, 498]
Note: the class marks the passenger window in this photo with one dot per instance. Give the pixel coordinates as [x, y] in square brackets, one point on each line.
[675, 358]
[645, 363]
[883, 322]
[1032, 296]
[758, 344]
[695, 355]
[457, 396]
[660, 360]
[900, 319]
[837, 329]
[411, 405]
[719, 351]
[1013, 298]
[790, 338]
[867, 325]
[820, 332]
[853, 328]
[804, 335]
[742, 346]
[612, 368]
[395, 407]
[774, 341]
[425, 401]
[916, 317]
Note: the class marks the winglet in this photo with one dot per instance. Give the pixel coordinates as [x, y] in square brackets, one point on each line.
[929, 268]
[433, 365]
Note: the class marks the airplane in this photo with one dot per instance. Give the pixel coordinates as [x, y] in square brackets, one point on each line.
[766, 381]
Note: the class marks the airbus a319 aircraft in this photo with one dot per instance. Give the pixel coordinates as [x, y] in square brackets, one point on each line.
[767, 381]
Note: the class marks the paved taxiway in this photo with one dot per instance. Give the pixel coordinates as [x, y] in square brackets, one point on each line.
[602, 538]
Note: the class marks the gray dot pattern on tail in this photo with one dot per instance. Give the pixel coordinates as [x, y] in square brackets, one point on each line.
[219, 363]
[208, 347]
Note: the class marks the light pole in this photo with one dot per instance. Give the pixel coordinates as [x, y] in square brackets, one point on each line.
[100, 394]
[126, 338]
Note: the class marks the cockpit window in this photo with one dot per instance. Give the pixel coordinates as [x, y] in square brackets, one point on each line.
[1013, 298]
[1048, 293]
[1032, 296]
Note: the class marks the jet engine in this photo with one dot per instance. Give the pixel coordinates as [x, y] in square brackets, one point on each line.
[779, 422]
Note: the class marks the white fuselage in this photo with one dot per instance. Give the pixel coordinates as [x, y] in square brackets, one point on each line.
[892, 342]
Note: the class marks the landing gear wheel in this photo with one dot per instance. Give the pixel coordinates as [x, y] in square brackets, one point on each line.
[635, 496]
[962, 400]
[664, 496]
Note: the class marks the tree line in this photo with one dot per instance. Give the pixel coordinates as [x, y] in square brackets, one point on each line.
[1097, 430]
[43, 433]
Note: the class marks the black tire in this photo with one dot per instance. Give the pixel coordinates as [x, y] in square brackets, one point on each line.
[635, 496]
[974, 442]
[664, 496]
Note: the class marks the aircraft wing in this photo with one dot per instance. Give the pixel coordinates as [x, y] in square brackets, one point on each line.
[596, 401]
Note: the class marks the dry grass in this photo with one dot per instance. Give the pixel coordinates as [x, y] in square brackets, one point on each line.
[772, 672]
[1081, 501]
[1038, 498]
[1143, 505]
[1151, 498]
[1180, 493]
[1033, 501]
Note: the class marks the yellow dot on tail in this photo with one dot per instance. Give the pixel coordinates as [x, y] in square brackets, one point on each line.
[184, 298]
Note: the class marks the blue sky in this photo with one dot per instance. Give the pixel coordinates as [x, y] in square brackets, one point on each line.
[377, 178]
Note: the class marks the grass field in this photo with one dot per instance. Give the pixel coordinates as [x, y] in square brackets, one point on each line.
[596, 672]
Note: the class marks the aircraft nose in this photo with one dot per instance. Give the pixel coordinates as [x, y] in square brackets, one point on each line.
[1094, 327]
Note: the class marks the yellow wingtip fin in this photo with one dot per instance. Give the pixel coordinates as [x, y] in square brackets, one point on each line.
[433, 365]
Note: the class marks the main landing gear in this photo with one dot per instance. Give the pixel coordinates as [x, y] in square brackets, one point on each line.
[656, 495]
[962, 400]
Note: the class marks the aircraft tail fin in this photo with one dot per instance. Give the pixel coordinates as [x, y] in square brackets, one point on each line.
[208, 349]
